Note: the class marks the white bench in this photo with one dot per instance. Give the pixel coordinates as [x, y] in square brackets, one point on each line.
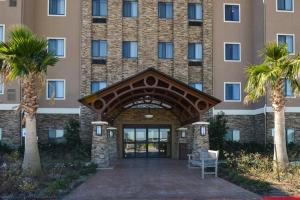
[204, 159]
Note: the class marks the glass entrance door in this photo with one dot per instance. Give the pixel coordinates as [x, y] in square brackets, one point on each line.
[147, 142]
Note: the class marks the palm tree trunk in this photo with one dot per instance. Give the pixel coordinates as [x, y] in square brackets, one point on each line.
[31, 162]
[280, 152]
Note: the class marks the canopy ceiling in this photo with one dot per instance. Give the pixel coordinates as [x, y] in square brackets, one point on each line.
[151, 87]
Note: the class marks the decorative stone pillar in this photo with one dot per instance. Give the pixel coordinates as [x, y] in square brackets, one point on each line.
[100, 144]
[201, 138]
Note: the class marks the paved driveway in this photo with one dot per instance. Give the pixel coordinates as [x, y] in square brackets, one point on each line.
[156, 179]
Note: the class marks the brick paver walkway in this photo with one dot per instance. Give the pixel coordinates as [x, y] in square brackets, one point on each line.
[156, 179]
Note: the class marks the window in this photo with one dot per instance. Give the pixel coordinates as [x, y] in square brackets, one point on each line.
[232, 92]
[12, 3]
[198, 86]
[56, 89]
[285, 5]
[100, 8]
[195, 11]
[290, 135]
[57, 46]
[165, 50]
[195, 51]
[288, 90]
[57, 7]
[1, 86]
[130, 9]
[0, 134]
[165, 10]
[232, 52]
[2, 33]
[233, 135]
[99, 48]
[231, 12]
[130, 49]
[289, 40]
[98, 85]
[56, 133]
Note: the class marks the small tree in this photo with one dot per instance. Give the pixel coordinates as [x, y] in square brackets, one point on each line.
[217, 130]
[25, 57]
[72, 133]
[269, 78]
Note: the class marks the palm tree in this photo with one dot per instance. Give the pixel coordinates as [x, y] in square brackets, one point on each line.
[25, 57]
[269, 77]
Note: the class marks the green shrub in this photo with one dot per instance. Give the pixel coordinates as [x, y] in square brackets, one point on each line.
[72, 133]
[217, 130]
[89, 169]
[4, 149]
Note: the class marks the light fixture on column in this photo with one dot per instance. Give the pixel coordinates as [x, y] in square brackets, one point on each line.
[99, 130]
[111, 132]
[182, 132]
[202, 130]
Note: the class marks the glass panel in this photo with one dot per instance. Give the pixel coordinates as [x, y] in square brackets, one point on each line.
[198, 51]
[1, 34]
[126, 49]
[290, 135]
[59, 133]
[95, 48]
[129, 135]
[235, 52]
[198, 11]
[153, 135]
[134, 9]
[141, 150]
[60, 88]
[133, 49]
[289, 5]
[290, 43]
[288, 89]
[60, 48]
[236, 135]
[164, 134]
[228, 135]
[103, 48]
[153, 150]
[169, 50]
[140, 134]
[236, 92]
[162, 10]
[0, 134]
[164, 149]
[169, 10]
[52, 133]
[51, 89]
[191, 51]
[129, 150]
[281, 4]
[192, 11]
[161, 50]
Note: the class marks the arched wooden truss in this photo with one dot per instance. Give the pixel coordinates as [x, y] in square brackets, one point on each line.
[151, 87]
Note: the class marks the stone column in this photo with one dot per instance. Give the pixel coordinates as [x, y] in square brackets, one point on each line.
[200, 140]
[100, 145]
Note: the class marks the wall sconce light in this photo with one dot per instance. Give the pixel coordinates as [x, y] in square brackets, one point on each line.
[99, 130]
[111, 132]
[182, 132]
[202, 130]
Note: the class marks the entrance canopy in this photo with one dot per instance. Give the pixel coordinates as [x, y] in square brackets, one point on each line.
[151, 87]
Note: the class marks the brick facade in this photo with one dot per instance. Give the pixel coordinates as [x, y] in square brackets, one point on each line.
[10, 123]
[147, 29]
[258, 128]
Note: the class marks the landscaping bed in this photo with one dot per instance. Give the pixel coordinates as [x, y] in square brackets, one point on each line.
[63, 169]
[254, 172]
